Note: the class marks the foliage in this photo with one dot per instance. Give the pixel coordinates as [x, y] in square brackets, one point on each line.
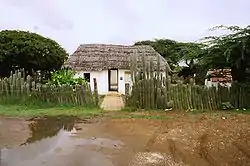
[31, 111]
[226, 51]
[65, 77]
[174, 51]
[201, 72]
[230, 51]
[169, 49]
[29, 51]
[191, 52]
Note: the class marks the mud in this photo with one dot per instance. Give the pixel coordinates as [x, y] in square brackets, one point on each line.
[13, 131]
[180, 139]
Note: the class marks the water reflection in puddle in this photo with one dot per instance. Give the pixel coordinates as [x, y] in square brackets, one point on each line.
[49, 126]
[53, 142]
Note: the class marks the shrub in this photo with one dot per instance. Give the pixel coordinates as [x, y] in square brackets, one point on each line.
[65, 77]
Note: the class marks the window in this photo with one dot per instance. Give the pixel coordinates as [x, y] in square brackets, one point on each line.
[87, 76]
[127, 77]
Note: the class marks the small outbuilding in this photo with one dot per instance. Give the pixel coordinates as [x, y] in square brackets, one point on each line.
[110, 64]
[217, 77]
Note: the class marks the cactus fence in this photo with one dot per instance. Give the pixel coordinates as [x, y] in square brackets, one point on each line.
[18, 89]
[153, 90]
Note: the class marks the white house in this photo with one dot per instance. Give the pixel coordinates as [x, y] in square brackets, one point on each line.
[217, 77]
[110, 64]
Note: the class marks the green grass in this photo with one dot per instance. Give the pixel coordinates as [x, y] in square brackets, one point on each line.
[34, 111]
[41, 109]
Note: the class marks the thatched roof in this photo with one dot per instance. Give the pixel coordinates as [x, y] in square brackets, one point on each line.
[97, 57]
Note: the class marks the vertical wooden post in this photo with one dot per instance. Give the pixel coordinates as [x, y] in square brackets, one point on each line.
[127, 90]
[152, 84]
[83, 95]
[158, 83]
[144, 80]
[96, 92]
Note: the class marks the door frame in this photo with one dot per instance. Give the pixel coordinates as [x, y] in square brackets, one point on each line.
[109, 76]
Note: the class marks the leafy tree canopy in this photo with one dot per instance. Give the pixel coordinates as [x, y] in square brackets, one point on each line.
[169, 49]
[230, 51]
[226, 51]
[30, 51]
[174, 51]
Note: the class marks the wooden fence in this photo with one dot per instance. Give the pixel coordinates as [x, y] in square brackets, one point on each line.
[18, 89]
[155, 91]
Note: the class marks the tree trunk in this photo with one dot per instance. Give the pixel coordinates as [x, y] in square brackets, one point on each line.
[239, 73]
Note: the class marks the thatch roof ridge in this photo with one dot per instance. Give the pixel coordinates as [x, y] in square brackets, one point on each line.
[89, 57]
[112, 45]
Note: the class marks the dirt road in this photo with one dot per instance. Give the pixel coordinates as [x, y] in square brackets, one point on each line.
[176, 140]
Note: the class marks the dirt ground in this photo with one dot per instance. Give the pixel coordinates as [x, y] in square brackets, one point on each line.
[221, 139]
[13, 131]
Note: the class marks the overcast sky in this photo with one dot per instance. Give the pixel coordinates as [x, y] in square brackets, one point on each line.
[74, 22]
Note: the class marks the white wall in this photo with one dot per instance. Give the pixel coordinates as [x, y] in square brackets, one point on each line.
[126, 78]
[102, 80]
[215, 84]
[103, 83]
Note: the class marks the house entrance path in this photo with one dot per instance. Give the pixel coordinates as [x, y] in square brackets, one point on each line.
[113, 101]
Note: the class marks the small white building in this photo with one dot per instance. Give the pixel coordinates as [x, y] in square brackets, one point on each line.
[217, 77]
[110, 64]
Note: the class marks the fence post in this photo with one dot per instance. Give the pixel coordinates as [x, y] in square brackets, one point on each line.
[127, 91]
[96, 92]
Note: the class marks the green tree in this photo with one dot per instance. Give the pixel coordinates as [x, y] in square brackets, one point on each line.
[29, 51]
[169, 49]
[191, 52]
[230, 51]
[175, 52]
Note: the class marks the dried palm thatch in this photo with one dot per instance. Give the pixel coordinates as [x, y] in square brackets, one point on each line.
[97, 57]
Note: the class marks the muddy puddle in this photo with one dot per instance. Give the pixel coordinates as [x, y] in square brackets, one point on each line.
[55, 141]
[181, 139]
